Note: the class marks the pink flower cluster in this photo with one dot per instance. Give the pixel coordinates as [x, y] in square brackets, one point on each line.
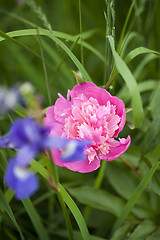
[89, 113]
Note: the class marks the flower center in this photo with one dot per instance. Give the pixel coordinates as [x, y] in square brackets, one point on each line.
[91, 121]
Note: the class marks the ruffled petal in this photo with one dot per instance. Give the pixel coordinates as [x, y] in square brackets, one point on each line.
[55, 127]
[117, 148]
[91, 90]
[62, 109]
[49, 120]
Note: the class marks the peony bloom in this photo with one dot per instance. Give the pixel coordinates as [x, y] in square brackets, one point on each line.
[89, 113]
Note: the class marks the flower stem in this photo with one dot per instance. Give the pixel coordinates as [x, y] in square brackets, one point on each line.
[130, 165]
[100, 175]
[56, 183]
[97, 185]
[80, 23]
[110, 30]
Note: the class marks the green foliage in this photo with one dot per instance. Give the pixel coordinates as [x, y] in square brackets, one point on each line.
[42, 42]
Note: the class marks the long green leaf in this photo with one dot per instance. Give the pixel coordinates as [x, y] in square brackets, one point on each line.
[52, 36]
[35, 218]
[131, 84]
[8, 210]
[125, 26]
[138, 51]
[135, 196]
[142, 230]
[37, 167]
[105, 201]
[122, 232]
[144, 86]
[7, 37]
[76, 213]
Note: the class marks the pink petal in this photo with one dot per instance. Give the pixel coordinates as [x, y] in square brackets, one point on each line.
[79, 166]
[50, 121]
[91, 90]
[117, 148]
[62, 109]
[50, 118]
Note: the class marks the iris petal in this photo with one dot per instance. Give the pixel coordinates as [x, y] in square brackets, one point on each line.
[21, 180]
[74, 151]
[25, 155]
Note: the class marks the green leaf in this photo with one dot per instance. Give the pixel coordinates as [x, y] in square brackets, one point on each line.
[76, 213]
[144, 86]
[141, 72]
[7, 37]
[8, 210]
[154, 184]
[142, 231]
[155, 102]
[125, 184]
[3, 161]
[131, 84]
[37, 167]
[55, 39]
[128, 40]
[35, 218]
[77, 235]
[138, 51]
[125, 26]
[135, 196]
[122, 232]
[105, 201]
[67, 37]
[152, 136]
[154, 236]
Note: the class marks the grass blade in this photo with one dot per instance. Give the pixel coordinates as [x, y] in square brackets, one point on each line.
[35, 218]
[8, 210]
[124, 27]
[131, 84]
[138, 51]
[56, 40]
[135, 196]
[76, 213]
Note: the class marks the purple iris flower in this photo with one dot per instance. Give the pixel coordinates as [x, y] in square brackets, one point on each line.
[73, 150]
[21, 180]
[31, 138]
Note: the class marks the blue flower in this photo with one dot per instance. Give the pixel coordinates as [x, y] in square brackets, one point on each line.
[73, 150]
[21, 180]
[31, 138]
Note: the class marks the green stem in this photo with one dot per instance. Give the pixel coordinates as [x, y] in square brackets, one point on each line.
[54, 173]
[100, 175]
[111, 78]
[80, 23]
[110, 30]
[97, 185]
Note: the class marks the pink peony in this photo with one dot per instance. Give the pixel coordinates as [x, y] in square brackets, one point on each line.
[91, 113]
